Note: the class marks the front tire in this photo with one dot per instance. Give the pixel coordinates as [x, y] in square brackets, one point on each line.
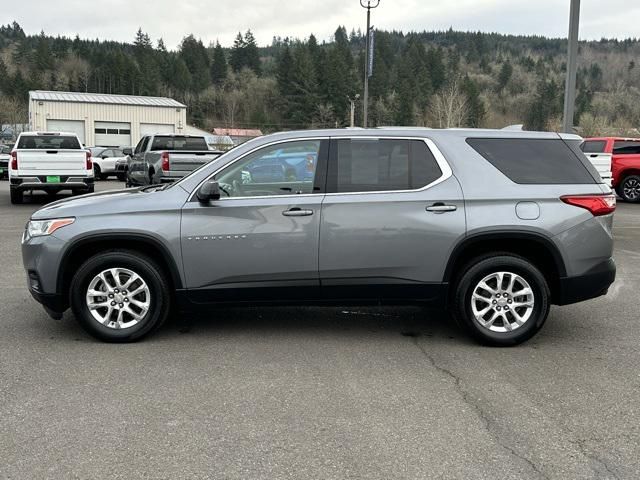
[629, 189]
[501, 300]
[120, 296]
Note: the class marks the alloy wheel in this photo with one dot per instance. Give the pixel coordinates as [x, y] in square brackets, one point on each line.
[118, 298]
[502, 302]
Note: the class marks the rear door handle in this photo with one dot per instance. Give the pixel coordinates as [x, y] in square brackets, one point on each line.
[441, 208]
[297, 212]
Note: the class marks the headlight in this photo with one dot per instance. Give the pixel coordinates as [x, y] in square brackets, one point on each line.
[38, 228]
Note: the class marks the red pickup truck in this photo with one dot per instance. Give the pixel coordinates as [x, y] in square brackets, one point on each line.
[625, 163]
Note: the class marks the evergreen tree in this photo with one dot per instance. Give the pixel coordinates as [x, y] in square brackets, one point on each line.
[238, 59]
[475, 106]
[251, 54]
[194, 54]
[219, 65]
[504, 76]
[545, 105]
[42, 58]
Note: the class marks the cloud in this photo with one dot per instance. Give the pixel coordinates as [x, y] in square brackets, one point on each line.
[218, 19]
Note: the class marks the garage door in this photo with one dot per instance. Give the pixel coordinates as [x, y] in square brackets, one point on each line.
[69, 126]
[112, 134]
[153, 128]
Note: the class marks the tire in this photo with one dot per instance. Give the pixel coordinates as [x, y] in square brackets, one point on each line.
[91, 189]
[629, 189]
[97, 172]
[121, 177]
[16, 196]
[158, 296]
[505, 330]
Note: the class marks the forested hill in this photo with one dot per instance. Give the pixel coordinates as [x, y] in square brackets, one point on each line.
[436, 79]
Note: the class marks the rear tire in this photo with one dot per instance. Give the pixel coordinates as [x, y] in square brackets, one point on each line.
[16, 197]
[629, 189]
[106, 323]
[514, 310]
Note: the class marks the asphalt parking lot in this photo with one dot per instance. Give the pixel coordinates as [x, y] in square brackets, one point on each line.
[324, 393]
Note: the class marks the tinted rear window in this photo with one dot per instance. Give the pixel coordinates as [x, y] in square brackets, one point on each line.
[382, 165]
[179, 143]
[534, 161]
[626, 147]
[593, 146]
[48, 142]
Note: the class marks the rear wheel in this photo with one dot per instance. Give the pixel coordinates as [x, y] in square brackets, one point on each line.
[629, 189]
[120, 296]
[16, 196]
[502, 300]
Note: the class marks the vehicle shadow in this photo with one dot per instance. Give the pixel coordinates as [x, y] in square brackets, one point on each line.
[405, 321]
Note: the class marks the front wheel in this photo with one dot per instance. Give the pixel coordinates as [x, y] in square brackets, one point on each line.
[629, 189]
[120, 296]
[502, 300]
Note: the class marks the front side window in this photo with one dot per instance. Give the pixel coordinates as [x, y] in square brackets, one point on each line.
[626, 147]
[138, 148]
[378, 165]
[283, 169]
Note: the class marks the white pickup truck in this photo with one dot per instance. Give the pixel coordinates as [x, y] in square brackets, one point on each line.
[49, 161]
[602, 163]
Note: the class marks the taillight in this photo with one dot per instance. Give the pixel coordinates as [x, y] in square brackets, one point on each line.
[596, 204]
[14, 160]
[89, 162]
[165, 161]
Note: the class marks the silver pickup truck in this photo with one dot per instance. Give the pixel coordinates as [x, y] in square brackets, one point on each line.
[166, 158]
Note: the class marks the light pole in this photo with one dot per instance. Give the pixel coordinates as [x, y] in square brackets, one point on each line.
[368, 4]
[572, 64]
[353, 109]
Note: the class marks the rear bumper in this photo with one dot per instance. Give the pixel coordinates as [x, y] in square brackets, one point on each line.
[592, 284]
[40, 183]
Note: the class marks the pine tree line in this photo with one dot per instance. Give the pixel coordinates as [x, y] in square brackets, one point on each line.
[438, 79]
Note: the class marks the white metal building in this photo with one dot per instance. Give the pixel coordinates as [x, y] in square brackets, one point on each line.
[105, 120]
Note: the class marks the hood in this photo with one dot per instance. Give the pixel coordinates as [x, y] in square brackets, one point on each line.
[110, 202]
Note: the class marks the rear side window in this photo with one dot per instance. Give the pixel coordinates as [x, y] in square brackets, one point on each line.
[372, 165]
[626, 147]
[534, 161]
[48, 142]
[179, 143]
[593, 146]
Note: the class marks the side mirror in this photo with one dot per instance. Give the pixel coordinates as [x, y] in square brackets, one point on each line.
[208, 191]
[127, 151]
[105, 156]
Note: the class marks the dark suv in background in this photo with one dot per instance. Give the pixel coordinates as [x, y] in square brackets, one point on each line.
[494, 225]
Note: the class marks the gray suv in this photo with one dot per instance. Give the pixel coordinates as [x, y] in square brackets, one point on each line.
[495, 226]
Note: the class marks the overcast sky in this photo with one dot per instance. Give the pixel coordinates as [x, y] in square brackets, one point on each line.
[222, 19]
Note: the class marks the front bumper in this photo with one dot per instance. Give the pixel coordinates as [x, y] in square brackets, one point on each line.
[592, 284]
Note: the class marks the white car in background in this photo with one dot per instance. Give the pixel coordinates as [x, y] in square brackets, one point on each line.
[104, 162]
[5, 155]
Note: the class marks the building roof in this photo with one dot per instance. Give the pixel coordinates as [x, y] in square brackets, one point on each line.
[238, 132]
[78, 97]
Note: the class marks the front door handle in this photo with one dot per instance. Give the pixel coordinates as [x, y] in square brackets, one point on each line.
[297, 212]
[441, 208]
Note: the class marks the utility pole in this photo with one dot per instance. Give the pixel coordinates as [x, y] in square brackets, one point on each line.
[368, 4]
[572, 65]
[352, 101]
